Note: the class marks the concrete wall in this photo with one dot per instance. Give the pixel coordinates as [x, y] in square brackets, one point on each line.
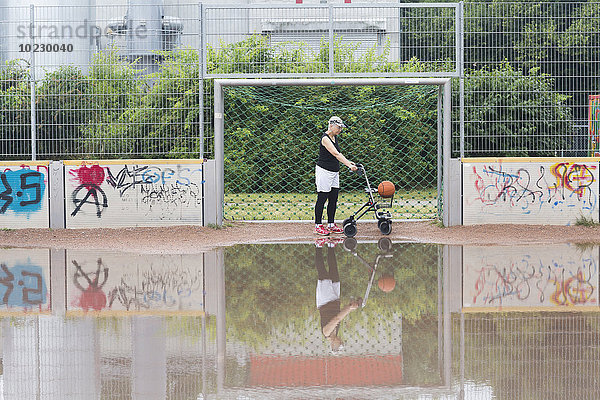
[530, 277]
[112, 282]
[24, 194]
[553, 191]
[103, 194]
[133, 193]
[25, 281]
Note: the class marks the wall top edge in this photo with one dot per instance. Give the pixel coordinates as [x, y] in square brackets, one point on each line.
[135, 161]
[533, 309]
[25, 163]
[473, 160]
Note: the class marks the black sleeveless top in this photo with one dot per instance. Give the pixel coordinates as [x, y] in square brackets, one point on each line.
[326, 160]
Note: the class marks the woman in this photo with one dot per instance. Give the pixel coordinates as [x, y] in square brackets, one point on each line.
[327, 177]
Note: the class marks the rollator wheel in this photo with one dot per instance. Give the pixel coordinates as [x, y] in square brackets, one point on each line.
[350, 229]
[347, 221]
[384, 244]
[385, 227]
[350, 244]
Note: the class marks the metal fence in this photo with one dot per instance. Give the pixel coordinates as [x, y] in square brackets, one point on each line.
[135, 81]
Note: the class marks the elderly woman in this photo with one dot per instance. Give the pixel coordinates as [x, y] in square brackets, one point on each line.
[327, 177]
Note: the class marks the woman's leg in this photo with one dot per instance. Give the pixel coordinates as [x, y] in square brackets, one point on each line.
[332, 204]
[319, 206]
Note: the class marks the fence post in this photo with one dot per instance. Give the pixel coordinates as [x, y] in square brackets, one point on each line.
[32, 79]
[446, 151]
[219, 150]
[56, 183]
[331, 49]
[201, 66]
[461, 75]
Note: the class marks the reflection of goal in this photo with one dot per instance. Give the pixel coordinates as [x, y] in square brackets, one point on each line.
[443, 127]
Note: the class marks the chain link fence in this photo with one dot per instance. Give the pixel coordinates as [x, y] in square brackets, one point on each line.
[102, 80]
[392, 131]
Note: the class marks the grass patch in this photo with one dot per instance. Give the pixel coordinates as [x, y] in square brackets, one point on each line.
[226, 224]
[415, 204]
[585, 221]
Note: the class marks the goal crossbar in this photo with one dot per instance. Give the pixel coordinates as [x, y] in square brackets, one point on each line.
[444, 129]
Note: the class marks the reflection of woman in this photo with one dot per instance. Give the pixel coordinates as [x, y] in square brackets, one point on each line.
[328, 297]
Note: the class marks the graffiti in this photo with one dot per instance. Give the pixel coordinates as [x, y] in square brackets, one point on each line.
[534, 282]
[89, 180]
[126, 178]
[92, 296]
[172, 195]
[528, 190]
[22, 190]
[134, 194]
[172, 289]
[131, 176]
[22, 286]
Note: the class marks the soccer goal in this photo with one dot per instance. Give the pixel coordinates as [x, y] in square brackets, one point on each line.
[267, 133]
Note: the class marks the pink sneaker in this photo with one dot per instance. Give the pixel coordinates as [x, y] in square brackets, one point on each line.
[320, 242]
[332, 241]
[321, 230]
[335, 229]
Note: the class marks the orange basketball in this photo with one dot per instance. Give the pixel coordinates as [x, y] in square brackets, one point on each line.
[387, 283]
[386, 189]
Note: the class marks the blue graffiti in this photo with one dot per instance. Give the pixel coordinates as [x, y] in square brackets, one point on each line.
[22, 286]
[21, 191]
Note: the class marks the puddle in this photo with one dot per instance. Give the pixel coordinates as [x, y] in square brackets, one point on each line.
[331, 319]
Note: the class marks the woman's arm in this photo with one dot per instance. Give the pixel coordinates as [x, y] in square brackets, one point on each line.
[330, 326]
[331, 148]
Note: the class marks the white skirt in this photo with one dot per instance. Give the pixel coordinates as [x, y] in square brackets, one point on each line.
[325, 180]
[327, 291]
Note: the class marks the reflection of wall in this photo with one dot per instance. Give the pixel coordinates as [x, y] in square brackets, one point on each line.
[151, 283]
[529, 191]
[113, 194]
[530, 277]
[50, 358]
[25, 281]
[24, 194]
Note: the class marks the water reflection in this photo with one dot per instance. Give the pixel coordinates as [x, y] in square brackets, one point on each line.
[325, 319]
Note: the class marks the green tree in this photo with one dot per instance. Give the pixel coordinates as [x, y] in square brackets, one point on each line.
[15, 111]
[115, 91]
[62, 104]
[515, 114]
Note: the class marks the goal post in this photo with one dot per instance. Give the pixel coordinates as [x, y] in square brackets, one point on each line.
[444, 128]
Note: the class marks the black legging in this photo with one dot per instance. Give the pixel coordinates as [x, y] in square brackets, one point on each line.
[324, 273]
[322, 197]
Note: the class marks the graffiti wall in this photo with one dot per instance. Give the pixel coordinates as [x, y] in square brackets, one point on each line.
[530, 277]
[530, 191]
[109, 282]
[24, 281]
[24, 194]
[130, 193]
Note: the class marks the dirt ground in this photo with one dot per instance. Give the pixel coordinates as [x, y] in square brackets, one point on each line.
[194, 239]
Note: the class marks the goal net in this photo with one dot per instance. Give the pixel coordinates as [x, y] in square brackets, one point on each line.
[271, 141]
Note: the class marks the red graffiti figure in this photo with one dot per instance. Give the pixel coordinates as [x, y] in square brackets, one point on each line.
[90, 179]
[92, 297]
